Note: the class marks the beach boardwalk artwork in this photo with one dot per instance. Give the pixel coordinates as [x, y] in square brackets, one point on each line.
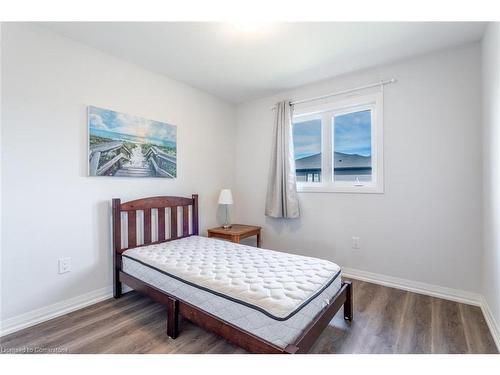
[123, 145]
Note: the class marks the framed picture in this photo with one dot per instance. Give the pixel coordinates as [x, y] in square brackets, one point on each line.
[123, 145]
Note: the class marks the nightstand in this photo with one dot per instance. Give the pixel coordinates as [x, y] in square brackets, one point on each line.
[236, 233]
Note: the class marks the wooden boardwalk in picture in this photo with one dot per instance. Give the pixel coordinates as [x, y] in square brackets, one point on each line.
[122, 161]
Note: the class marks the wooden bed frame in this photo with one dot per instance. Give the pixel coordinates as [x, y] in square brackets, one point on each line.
[177, 307]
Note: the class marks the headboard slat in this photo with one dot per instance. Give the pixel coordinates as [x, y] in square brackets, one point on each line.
[185, 222]
[147, 226]
[161, 224]
[132, 229]
[173, 222]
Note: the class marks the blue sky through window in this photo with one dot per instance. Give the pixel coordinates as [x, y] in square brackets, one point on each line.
[307, 138]
[353, 133]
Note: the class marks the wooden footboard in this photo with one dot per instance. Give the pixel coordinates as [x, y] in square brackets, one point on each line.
[177, 308]
[306, 340]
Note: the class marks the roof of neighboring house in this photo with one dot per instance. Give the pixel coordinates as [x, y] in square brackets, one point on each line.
[309, 162]
[341, 161]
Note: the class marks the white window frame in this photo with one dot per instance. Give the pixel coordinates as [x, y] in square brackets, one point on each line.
[327, 113]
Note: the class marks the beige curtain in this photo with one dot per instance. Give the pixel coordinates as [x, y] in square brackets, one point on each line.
[282, 200]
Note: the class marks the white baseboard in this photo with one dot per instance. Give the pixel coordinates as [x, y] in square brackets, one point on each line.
[456, 295]
[43, 314]
[490, 320]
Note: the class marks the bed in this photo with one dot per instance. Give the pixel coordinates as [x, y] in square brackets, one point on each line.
[261, 300]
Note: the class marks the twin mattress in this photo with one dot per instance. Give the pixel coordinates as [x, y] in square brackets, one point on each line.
[271, 294]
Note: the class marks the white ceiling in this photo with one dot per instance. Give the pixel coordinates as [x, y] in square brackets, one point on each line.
[236, 64]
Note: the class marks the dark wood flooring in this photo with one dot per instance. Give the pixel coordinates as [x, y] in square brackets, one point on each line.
[386, 320]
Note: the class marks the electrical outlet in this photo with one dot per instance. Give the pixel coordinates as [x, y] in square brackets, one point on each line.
[355, 243]
[64, 265]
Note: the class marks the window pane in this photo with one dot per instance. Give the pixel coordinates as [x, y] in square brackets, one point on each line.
[352, 147]
[307, 146]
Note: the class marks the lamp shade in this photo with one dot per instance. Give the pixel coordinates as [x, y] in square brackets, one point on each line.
[225, 197]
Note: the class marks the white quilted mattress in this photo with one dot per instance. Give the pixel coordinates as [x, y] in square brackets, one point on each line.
[274, 295]
[275, 283]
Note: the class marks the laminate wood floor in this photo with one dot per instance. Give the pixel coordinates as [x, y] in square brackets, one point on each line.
[386, 320]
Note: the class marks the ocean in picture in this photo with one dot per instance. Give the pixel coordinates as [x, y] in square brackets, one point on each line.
[130, 146]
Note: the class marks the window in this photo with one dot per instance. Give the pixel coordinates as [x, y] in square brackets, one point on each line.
[352, 147]
[307, 148]
[338, 147]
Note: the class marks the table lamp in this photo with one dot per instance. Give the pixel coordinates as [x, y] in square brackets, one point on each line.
[226, 198]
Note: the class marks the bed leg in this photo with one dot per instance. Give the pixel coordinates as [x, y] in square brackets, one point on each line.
[348, 302]
[117, 285]
[172, 318]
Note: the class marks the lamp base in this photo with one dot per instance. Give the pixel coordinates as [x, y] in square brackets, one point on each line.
[227, 226]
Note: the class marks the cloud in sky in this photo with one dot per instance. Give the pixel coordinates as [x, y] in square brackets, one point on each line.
[96, 122]
[112, 121]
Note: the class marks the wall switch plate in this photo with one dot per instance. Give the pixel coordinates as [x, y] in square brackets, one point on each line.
[355, 243]
[64, 265]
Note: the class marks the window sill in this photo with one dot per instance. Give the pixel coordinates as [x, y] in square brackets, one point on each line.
[340, 189]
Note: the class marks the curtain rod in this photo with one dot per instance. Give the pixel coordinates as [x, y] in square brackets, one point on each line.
[380, 83]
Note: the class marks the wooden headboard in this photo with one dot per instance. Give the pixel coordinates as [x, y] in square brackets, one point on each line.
[146, 205]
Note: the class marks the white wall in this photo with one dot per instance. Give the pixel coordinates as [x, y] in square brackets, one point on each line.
[427, 227]
[491, 172]
[50, 207]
